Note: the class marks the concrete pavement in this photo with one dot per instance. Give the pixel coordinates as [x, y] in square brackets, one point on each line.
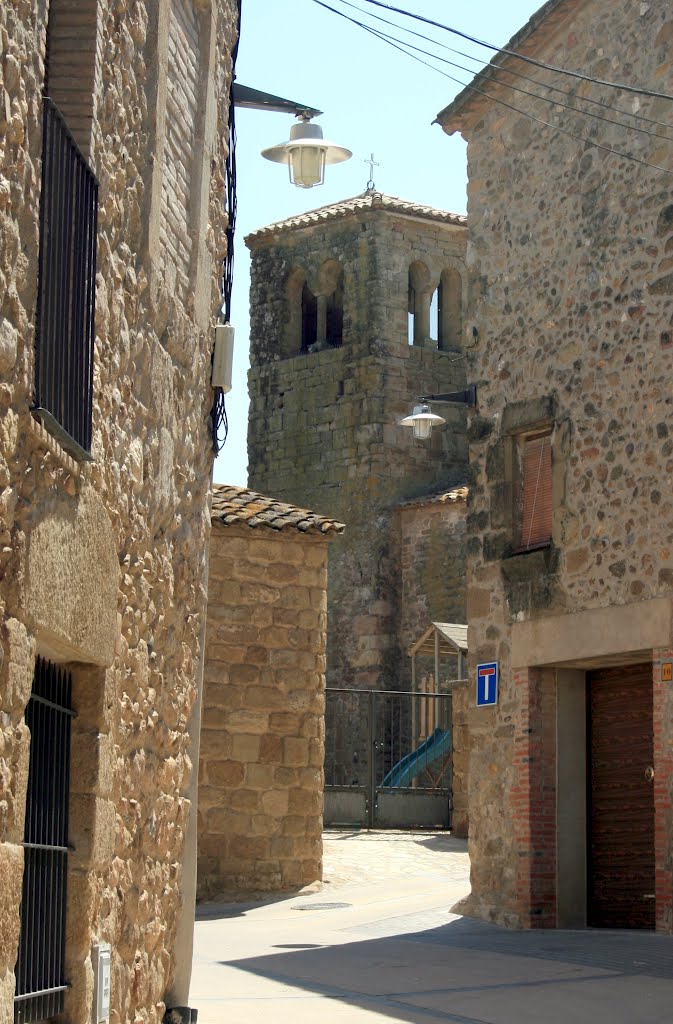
[378, 943]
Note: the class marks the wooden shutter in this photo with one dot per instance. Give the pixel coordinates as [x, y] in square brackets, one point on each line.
[536, 492]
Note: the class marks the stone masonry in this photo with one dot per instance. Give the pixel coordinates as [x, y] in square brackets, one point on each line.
[103, 562]
[570, 259]
[430, 540]
[322, 428]
[262, 747]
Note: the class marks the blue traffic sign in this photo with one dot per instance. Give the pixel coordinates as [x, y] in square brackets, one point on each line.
[487, 684]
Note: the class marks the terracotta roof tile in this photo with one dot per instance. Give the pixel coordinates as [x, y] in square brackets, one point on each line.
[366, 201]
[235, 505]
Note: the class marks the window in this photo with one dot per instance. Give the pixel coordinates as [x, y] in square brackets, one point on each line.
[40, 980]
[535, 492]
[309, 318]
[334, 316]
[450, 311]
[64, 326]
[418, 304]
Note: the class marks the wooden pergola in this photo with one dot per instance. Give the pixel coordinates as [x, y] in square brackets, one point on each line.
[440, 639]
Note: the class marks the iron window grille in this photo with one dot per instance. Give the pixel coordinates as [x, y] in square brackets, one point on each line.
[65, 325]
[40, 968]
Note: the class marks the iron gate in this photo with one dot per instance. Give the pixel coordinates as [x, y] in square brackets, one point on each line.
[387, 758]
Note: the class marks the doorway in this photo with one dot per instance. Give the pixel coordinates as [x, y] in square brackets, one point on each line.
[620, 798]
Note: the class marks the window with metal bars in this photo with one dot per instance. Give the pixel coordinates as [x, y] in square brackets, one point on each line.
[40, 967]
[66, 288]
[536, 492]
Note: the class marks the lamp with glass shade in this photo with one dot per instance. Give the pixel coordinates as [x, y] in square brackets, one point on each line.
[306, 154]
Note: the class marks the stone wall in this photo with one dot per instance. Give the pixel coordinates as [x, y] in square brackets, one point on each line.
[322, 427]
[430, 553]
[103, 563]
[572, 293]
[263, 737]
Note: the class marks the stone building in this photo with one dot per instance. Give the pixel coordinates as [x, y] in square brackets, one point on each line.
[429, 551]
[357, 309]
[262, 744]
[570, 533]
[111, 236]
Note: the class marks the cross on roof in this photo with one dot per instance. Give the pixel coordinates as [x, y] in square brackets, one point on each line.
[372, 164]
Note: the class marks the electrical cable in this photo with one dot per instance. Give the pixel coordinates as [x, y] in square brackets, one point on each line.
[513, 88]
[623, 86]
[494, 99]
[507, 71]
[219, 424]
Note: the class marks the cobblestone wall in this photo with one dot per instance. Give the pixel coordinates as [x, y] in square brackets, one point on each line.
[263, 736]
[102, 564]
[570, 262]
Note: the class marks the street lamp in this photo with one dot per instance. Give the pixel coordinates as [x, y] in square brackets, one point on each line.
[306, 153]
[422, 419]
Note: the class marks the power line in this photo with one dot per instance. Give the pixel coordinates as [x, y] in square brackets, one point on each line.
[547, 124]
[507, 71]
[520, 56]
[514, 88]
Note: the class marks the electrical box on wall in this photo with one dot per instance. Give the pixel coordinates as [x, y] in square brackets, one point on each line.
[223, 357]
[101, 973]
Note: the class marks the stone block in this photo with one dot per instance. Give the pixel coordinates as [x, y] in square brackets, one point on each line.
[92, 763]
[259, 776]
[285, 723]
[225, 774]
[11, 873]
[248, 748]
[92, 830]
[245, 721]
[247, 800]
[275, 803]
[249, 848]
[295, 752]
[265, 825]
[270, 750]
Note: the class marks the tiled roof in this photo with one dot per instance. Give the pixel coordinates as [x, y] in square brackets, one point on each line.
[543, 21]
[366, 201]
[444, 497]
[238, 505]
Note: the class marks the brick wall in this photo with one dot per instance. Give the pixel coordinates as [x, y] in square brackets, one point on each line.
[262, 741]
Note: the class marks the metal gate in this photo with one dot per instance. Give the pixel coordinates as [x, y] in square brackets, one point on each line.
[387, 758]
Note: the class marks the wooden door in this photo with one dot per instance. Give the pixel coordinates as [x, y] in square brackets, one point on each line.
[620, 798]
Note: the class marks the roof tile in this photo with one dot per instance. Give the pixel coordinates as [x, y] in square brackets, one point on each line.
[368, 200]
[235, 505]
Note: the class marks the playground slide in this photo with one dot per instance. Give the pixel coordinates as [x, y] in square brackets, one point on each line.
[436, 747]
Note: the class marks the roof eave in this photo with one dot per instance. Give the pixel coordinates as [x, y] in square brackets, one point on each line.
[457, 116]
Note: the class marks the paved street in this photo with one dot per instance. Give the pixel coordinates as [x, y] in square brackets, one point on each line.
[378, 943]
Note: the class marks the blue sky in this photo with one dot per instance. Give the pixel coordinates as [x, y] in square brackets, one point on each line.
[375, 99]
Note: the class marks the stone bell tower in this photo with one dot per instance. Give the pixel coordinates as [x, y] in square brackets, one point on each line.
[356, 310]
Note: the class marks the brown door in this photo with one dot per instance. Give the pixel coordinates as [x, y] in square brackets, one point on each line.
[621, 798]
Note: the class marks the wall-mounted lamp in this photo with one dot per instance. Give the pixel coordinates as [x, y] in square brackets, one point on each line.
[422, 419]
[306, 153]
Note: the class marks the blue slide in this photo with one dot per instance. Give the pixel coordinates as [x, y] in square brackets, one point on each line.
[436, 747]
